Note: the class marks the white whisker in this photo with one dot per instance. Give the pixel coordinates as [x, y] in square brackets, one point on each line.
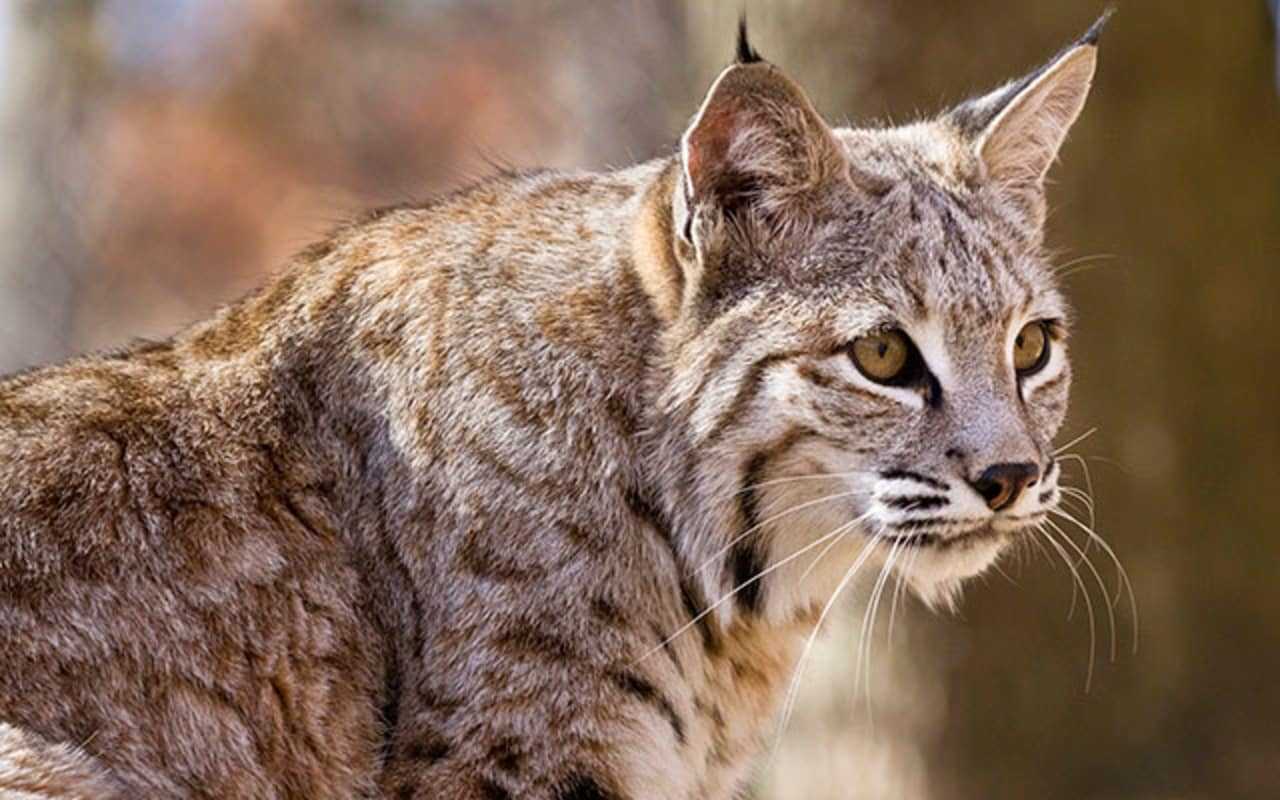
[809, 504]
[1075, 574]
[794, 689]
[1123, 575]
[1097, 577]
[1078, 494]
[794, 478]
[1070, 493]
[1044, 552]
[995, 565]
[1088, 480]
[865, 638]
[1085, 495]
[758, 576]
[827, 549]
[1076, 441]
[1082, 264]
[904, 576]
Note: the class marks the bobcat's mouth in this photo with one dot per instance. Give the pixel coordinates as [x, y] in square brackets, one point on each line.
[945, 533]
[939, 540]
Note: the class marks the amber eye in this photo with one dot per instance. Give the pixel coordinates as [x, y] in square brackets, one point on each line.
[883, 357]
[1031, 348]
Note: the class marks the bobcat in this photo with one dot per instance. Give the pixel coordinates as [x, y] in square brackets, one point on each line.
[538, 490]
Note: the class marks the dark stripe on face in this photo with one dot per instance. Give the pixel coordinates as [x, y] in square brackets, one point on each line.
[731, 341]
[584, 787]
[747, 391]
[813, 375]
[920, 525]
[943, 541]
[694, 608]
[746, 559]
[933, 395]
[648, 512]
[1049, 474]
[1052, 383]
[647, 693]
[906, 474]
[911, 540]
[492, 791]
[918, 502]
[824, 381]
[746, 562]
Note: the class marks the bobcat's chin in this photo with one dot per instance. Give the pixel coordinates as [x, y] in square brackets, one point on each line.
[937, 573]
[937, 567]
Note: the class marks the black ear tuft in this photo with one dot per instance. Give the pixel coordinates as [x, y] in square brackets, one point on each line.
[1095, 30]
[746, 53]
[973, 116]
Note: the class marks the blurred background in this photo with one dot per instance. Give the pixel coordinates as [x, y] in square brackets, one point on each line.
[160, 158]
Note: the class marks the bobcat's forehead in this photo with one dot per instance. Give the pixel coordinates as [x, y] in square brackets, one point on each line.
[932, 151]
[919, 250]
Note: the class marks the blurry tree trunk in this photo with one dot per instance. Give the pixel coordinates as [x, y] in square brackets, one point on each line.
[622, 92]
[45, 103]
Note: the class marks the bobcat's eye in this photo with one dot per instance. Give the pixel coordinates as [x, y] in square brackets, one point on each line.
[885, 357]
[1031, 348]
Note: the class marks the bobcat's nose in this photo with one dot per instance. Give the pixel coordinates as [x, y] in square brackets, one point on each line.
[1002, 484]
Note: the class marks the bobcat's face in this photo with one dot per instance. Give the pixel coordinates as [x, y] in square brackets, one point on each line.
[875, 349]
[927, 381]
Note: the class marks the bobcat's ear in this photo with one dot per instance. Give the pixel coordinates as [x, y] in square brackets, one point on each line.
[1018, 129]
[756, 147]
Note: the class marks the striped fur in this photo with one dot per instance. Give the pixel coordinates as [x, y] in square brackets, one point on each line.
[453, 507]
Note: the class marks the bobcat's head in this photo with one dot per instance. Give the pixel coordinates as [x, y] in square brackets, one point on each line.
[868, 344]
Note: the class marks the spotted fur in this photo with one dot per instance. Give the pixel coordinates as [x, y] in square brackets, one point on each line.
[485, 498]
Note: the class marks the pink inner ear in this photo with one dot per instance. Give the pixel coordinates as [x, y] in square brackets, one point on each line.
[708, 148]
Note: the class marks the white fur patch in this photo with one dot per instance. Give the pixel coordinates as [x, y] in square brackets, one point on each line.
[930, 336]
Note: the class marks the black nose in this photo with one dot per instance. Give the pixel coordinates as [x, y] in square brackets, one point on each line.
[1001, 484]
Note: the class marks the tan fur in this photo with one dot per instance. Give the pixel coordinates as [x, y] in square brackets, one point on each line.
[652, 235]
[477, 499]
[32, 769]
